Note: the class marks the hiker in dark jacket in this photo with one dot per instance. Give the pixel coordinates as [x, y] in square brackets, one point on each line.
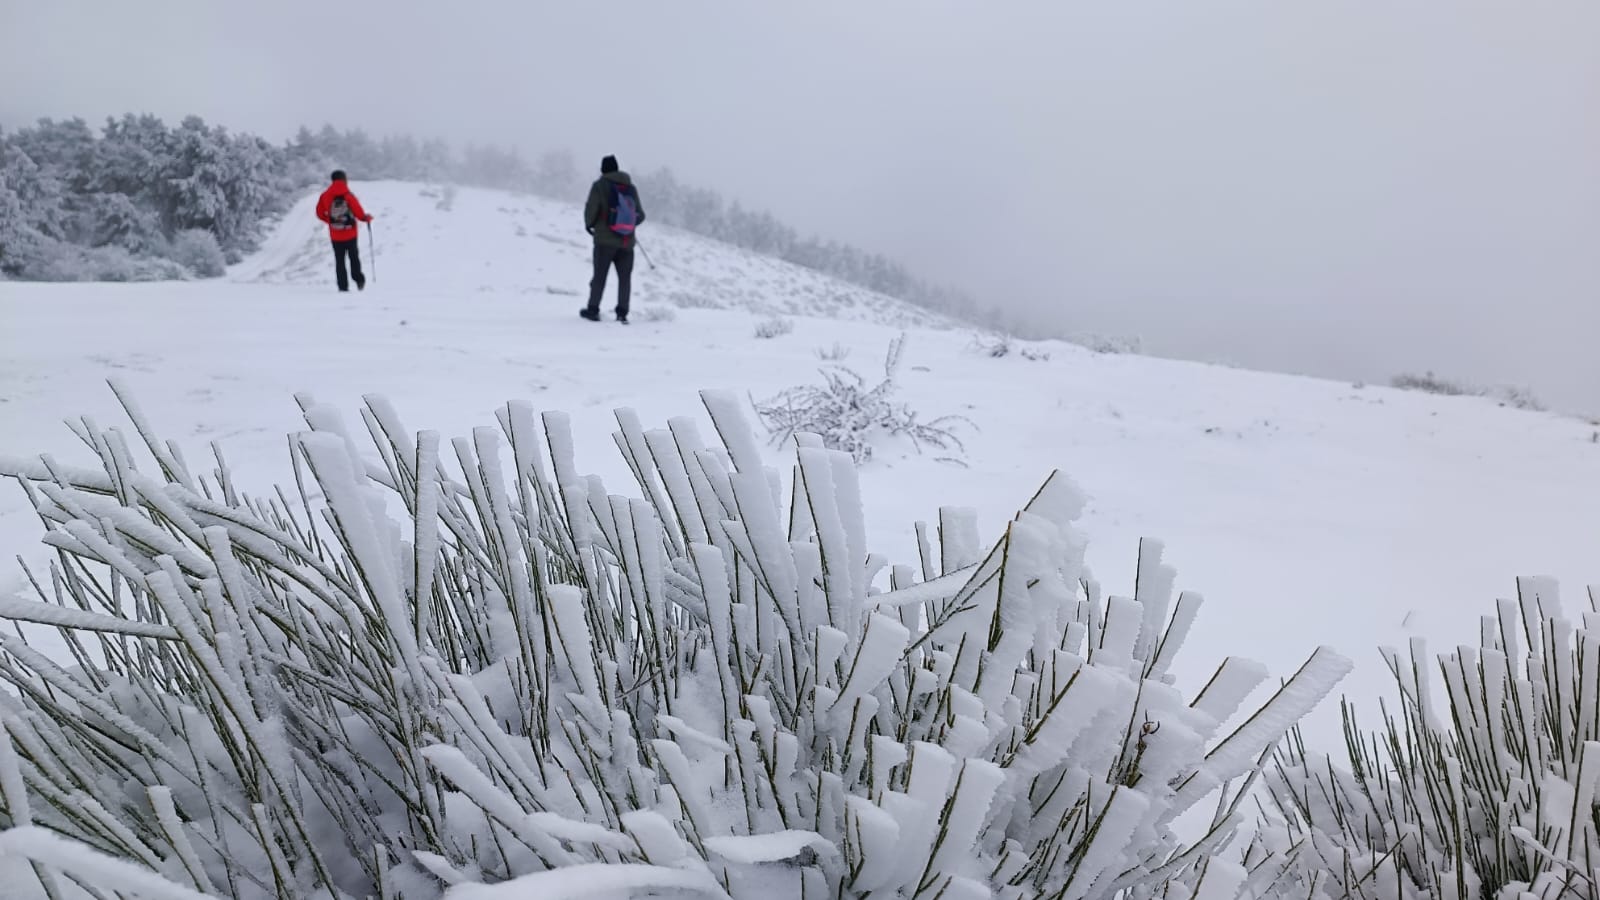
[341, 211]
[611, 215]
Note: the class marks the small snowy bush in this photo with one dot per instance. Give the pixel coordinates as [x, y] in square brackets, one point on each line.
[1505, 395]
[1516, 397]
[997, 346]
[848, 415]
[776, 326]
[837, 353]
[1430, 383]
[116, 264]
[1106, 343]
[410, 679]
[67, 262]
[1496, 799]
[197, 250]
[1002, 345]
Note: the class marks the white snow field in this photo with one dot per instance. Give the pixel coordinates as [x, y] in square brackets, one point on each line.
[1306, 511]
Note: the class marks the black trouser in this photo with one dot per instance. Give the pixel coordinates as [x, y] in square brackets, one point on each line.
[352, 249]
[605, 257]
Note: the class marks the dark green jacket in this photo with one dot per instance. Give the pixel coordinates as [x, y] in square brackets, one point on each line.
[598, 209]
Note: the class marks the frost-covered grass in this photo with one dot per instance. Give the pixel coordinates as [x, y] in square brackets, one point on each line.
[693, 300]
[1430, 383]
[1000, 345]
[774, 326]
[1107, 343]
[1506, 395]
[435, 669]
[997, 346]
[1491, 795]
[849, 416]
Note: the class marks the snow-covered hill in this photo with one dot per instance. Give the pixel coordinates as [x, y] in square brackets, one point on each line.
[459, 241]
[1306, 511]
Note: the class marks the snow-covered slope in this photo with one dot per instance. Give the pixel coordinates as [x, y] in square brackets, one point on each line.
[1306, 511]
[460, 241]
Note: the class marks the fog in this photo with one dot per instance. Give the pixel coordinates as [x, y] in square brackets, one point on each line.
[1345, 188]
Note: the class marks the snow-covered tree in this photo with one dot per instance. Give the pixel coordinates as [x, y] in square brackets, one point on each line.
[117, 221]
[528, 686]
[105, 207]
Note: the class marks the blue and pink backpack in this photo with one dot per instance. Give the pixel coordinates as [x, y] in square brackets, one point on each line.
[624, 214]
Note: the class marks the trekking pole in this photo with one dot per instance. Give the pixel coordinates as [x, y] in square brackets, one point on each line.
[372, 252]
[644, 251]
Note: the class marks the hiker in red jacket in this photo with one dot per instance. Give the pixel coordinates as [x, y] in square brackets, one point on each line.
[341, 210]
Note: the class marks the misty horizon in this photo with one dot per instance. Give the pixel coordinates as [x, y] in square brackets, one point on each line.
[1348, 192]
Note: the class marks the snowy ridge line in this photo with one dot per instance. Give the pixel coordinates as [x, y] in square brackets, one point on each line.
[537, 683]
[500, 242]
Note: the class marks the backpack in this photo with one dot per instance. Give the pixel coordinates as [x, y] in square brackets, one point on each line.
[624, 211]
[339, 214]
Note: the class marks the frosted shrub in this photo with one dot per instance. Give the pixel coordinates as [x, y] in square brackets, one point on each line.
[1516, 397]
[997, 346]
[197, 250]
[116, 264]
[1494, 799]
[108, 263]
[775, 326]
[1106, 343]
[1430, 383]
[1505, 395]
[710, 689]
[848, 415]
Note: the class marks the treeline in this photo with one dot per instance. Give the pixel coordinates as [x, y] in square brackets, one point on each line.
[142, 200]
[137, 201]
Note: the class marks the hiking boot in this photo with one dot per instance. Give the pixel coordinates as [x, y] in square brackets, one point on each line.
[622, 319]
[591, 316]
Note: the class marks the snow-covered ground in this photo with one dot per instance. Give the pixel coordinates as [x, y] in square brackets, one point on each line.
[465, 242]
[1307, 512]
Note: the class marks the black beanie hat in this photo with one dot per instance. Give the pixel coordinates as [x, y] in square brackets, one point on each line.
[338, 174]
[608, 165]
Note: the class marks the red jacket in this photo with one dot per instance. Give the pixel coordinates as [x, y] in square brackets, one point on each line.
[325, 204]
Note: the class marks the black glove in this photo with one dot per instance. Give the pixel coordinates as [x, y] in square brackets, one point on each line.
[589, 228]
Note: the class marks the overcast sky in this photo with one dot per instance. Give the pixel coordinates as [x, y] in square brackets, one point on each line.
[1343, 187]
